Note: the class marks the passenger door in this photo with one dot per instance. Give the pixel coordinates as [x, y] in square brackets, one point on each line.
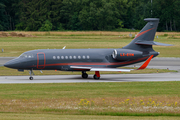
[41, 60]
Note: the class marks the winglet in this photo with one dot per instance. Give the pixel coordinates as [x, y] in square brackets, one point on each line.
[145, 64]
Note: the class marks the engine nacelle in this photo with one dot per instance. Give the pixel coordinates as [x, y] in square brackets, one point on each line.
[126, 54]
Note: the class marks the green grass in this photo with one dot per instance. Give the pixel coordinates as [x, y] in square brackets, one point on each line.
[15, 116]
[14, 46]
[114, 99]
[171, 51]
[89, 90]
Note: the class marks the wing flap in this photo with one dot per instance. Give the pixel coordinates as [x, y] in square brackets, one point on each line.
[111, 69]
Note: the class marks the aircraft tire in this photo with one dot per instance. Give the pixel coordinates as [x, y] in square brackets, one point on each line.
[96, 78]
[84, 75]
[30, 78]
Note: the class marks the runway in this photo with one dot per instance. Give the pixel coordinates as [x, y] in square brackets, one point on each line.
[104, 78]
[160, 63]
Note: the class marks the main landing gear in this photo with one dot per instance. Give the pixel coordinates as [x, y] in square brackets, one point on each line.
[31, 73]
[84, 74]
[96, 75]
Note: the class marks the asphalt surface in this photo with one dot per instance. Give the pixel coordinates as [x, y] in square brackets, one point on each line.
[160, 63]
[104, 78]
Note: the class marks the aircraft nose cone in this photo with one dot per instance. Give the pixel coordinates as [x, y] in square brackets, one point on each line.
[8, 64]
[12, 63]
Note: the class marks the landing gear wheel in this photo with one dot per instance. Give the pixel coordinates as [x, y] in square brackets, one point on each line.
[96, 77]
[30, 78]
[84, 75]
[31, 73]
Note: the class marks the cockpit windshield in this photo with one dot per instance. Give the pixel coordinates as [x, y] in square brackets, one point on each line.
[26, 55]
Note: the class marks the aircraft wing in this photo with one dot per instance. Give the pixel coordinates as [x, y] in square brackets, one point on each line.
[112, 69]
[100, 69]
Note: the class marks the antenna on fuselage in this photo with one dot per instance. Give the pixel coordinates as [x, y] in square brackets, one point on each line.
[64, 47]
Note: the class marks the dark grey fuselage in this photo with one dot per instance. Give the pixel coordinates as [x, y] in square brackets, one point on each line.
[62, 59]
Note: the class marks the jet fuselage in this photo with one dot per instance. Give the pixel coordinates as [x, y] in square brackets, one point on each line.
[62, 59]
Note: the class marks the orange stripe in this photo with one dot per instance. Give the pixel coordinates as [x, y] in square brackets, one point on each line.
[143, 33]
[118, 63]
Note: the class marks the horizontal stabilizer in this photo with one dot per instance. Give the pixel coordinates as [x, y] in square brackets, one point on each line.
[139, 42]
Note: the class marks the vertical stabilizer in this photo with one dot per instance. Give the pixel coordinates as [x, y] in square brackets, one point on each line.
[146, 35]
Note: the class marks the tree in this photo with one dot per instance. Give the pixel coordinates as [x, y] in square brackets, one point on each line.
[4, 23]
[34, 13]
[100, 15]
[31, 15]
[47, 26]
[168, 11]
[69, 14]
[88, 17]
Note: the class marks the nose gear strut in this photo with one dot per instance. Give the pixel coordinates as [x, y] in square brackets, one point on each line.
[31, 74]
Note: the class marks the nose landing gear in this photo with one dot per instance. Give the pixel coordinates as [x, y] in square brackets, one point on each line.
[31, 73]
[30, 78]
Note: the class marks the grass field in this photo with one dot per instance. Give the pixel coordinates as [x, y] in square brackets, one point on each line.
[14, 46]
[14, 116]
[114, 99]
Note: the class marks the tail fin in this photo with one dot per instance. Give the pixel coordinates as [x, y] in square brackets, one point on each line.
[145, 38]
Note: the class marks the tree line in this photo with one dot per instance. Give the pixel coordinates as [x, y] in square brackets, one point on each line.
[47, 15]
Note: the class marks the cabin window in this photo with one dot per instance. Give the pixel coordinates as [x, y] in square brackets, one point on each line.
[70, 57]
[62, 57]
[88, 57]
[66, 57]
[58, 57]
[74, 57]
[24, 55]
[84, 57]
[54, 57]
[79, 57]
[29, 56]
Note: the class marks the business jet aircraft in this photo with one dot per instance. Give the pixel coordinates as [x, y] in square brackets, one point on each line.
[138, 50]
